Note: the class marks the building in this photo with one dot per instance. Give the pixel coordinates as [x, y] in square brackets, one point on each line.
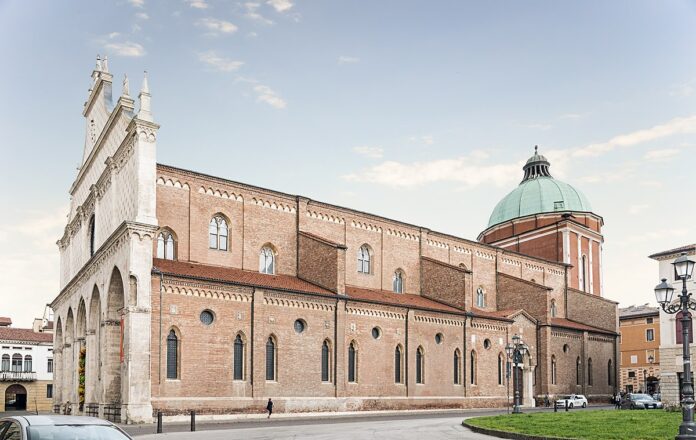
[26, 368]
[183, 291]
[640, 349]
[670, 327]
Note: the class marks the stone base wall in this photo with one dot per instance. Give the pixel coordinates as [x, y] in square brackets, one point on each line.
[36, 395]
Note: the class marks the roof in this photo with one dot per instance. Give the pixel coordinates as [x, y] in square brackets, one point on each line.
[638, 311]
[24, 335]
[237, 276]
[398, 299]
[496, 314]
[567, 323]
[5, 321]
[687, 248]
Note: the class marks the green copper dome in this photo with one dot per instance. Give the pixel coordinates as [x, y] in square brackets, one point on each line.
[538, 193]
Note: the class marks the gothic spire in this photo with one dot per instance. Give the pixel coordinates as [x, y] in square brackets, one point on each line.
[145, 113]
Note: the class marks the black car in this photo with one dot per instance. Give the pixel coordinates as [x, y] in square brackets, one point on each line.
[640, 401]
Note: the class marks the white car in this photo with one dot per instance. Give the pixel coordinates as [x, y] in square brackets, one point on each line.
[59, 428]
[572, 401]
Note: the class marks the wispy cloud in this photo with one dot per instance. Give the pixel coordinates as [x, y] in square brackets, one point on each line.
[137, 3]
[426, 140]
[536, 126]
[368, 151]
[253, 14]
[348, 60]
[571, 116]
[216, 26]
[126, 49]
[198, 4]
[267, 95]
[142, 16]
[661, 155]
[113, 35]
[216, 62]
[280, 5]
[684, 90]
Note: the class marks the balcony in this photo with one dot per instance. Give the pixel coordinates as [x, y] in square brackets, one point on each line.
[17, 376]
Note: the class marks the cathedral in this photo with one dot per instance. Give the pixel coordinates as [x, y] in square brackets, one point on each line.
[182, 291]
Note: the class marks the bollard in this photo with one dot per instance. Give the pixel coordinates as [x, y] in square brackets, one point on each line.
[193, 420]
[555, 406]
[566, 405]
[159, 422]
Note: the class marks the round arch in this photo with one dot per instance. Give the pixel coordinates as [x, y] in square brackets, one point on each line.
[113, 338]
[15, 398]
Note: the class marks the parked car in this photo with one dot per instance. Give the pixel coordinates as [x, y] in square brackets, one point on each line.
[57, 427]
[657, 396]
[572, 401]
[640, 401]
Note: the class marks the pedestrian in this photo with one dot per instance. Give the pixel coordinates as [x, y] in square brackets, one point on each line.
[617, 401]
[269, 407]
[547, 403]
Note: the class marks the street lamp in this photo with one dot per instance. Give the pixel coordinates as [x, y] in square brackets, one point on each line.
[683, 267]
[516, 351]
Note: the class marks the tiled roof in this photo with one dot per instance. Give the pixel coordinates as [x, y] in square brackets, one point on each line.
[237, 276]
[322, 239]
[494, 314]
[567, 323]
[687, 248]
[635, 311]
[24, 334]
[5, 321]
[398, 299]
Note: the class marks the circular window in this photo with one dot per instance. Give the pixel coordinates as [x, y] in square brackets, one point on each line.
[439, 338]
[487, 344]
[300, 326]
[376, 332]
[207, 317]
[565, 348]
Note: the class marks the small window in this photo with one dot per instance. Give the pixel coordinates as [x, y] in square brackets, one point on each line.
[480, 298]
[649, 320]
[457, 367]
[207, 317]
[352, 363]
[398, 377]
[217, 231]
[270, 359]
[631, 374]
[49, 365]
[238, 358]
[165, 245]
[634, 359]
[398, 282]
[325, 362]
[420, 363]
[376, 332]
[553, 308]
[566, 348]
[28, 367]
[49, 391]
[267, 260]
[559, 205]
[439, 338]
[650, 335]
[487, 344]
[300, 326]
[364, 259]
[5, 363]
[172, 355]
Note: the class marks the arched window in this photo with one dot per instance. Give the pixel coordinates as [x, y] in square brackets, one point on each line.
[457, 367]
[398, 282]
[172, 355]
[578, 371]
[472, 367]
[28, 367]
[271, 359]
[325, 362]
[217, 231]
[352, 363]
[17, 363]
[553, 370]
[364, 259]
[398, 377]
[583, 274]
[610, 373]
[501, 363]
[165, 245]
[420, 360]
[267, 260]
[553, 308]
[91, 229]
[5, 363]
[238, 358]
[589, 371]
[480, 298]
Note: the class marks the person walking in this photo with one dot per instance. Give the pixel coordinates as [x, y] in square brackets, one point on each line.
[617, 401]
[269, 407]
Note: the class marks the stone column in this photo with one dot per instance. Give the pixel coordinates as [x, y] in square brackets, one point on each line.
[91, 372]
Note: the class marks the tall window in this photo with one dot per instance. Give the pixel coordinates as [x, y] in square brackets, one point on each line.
[325, 362]
[419, 365]
[364, 259]
[238, 358]
[218, 233]
[501, 363]
[610, 373]
[172, 355]
[352, 363]
[650, 334]
[270, 359]
[398, 282]
[583, 274]
[398, 377]
[553, 308]
[457, 367]
[553, 370]
[472, 367]
[17, 363]
[91, 229]
[480, 298]
[578, 371]
[49, 365]
[589, 371]
[165, 245]
[28, 367]
[267, 260]
[5, 362]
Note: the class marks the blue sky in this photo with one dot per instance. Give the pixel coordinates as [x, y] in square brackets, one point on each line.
[419, 111]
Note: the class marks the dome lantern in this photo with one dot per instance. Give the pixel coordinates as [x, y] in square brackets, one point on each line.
[536, 166]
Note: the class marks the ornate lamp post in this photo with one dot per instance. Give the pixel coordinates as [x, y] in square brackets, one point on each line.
[516, 351]
[683, 268]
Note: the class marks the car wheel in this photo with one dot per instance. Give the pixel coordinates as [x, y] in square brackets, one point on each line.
[584, 405]
[633, 406]
[570, 406]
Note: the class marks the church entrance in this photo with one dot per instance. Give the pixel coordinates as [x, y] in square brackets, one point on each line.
[15, 398]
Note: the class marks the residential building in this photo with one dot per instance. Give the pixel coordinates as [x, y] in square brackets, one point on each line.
[639, 327]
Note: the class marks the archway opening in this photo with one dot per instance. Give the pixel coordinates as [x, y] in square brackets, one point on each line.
[114, 338]
[15, 398]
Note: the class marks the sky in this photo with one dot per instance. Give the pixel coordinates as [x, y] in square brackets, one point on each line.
[421, 111]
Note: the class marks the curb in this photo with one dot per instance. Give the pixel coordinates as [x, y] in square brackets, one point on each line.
[510, 435]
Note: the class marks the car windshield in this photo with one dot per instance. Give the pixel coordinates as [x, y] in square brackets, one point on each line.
[565, 397]
[75, 432]
[640, 397]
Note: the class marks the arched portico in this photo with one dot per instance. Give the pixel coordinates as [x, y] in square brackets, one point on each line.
[113, 333]
[69, 359]
[93, 374]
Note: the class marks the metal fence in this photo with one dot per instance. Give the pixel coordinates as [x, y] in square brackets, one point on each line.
[92, 410]
[112, 413]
